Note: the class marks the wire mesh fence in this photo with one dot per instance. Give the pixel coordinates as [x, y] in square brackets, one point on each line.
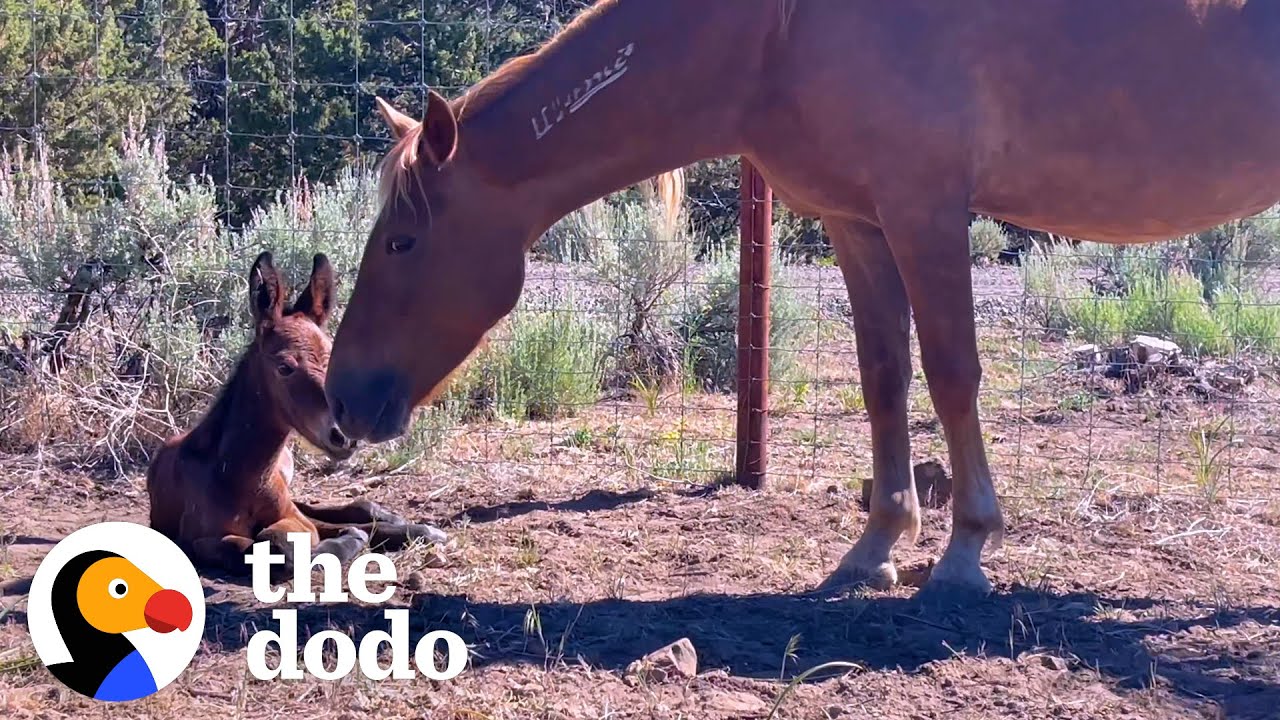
[152, 149]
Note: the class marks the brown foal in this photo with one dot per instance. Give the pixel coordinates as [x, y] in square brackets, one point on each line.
[224, 485]
[1120, 121]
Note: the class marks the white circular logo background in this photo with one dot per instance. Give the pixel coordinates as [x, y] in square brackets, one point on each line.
[166, 654]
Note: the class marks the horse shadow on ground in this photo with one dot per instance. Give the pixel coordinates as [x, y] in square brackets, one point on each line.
[748, 635]
[593, 501]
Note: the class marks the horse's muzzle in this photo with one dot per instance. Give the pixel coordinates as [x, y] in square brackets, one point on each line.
[369, 406]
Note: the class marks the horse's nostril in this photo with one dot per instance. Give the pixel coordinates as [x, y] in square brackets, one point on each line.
[337, 438]
[339, 411]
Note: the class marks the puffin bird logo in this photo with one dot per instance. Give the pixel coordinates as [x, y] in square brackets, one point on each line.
[103, 625]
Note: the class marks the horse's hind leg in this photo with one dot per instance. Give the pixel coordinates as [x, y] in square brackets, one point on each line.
[931, 247]
[882, 325]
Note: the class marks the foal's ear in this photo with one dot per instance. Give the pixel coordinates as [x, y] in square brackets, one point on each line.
[266, 291]
[397, 122]
[316, 301]
[439, 140]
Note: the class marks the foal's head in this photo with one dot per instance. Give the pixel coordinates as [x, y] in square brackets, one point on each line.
[290, 352]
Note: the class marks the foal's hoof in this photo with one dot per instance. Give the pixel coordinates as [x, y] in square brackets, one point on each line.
[429, 534]
[881, 577]
[354, 535]
[346, 546]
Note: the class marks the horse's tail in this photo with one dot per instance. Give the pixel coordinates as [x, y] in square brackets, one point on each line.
[669, 187]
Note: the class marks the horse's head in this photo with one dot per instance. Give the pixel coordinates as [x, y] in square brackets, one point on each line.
[443, 264]
[291, 352]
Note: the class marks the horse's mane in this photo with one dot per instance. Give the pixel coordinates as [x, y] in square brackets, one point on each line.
[397, 171]
[397, 176]
[207, 434]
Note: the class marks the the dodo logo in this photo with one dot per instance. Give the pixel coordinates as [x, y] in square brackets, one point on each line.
[116, 611]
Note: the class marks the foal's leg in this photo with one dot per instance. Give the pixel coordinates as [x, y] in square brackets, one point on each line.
[345, 544]
[386, 530]
[882, 327]
[226, 553]
[353, 513]
[931, 248]
[385, 536]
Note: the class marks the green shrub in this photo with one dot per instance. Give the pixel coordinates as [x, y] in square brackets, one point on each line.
[1151, 293]
[334, 219]
[987, 239]
[543, 365]
[131, 295]
[637, 249]
[1233, 254]
[1250, 324]
[708, 325]
[1047, 274]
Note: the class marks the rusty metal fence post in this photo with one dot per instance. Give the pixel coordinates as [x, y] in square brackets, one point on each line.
[756, 225]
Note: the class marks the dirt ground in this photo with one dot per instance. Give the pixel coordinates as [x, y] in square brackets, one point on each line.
[1138, 578]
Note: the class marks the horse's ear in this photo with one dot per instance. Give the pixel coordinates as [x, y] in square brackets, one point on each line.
[439, 140]
[266, 291]
[316, 301]
[397, 122]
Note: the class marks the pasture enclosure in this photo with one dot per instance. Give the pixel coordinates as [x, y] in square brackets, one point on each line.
[578, 461]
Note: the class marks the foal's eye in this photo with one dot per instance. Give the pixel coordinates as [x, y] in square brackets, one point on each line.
[285, 369]
[399, 244]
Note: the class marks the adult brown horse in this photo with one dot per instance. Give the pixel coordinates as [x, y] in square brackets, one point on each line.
[224, 485]
[1120, 121]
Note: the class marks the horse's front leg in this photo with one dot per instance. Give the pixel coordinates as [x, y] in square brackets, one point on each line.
[931, 247]
[882, 326]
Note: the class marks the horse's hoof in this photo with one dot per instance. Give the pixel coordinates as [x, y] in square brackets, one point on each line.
[953, 585]
[881, 577]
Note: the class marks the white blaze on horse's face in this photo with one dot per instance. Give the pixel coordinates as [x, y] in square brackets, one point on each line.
[445, 257]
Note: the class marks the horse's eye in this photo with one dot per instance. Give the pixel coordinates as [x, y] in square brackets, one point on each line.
[285, 369]
[399, 244]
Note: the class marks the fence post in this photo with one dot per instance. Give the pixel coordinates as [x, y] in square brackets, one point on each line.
[756, 227]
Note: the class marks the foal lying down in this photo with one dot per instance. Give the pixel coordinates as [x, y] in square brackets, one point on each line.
[224, 485]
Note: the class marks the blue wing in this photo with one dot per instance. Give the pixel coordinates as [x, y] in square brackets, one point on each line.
[130, 679]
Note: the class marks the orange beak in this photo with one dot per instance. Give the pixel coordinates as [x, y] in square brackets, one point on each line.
[168, 610]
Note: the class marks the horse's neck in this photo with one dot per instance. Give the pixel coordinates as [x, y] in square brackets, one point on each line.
[238, 436]
[632, 90]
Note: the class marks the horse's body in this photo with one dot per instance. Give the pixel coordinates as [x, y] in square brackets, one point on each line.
[1120, 121]
[224, 484]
